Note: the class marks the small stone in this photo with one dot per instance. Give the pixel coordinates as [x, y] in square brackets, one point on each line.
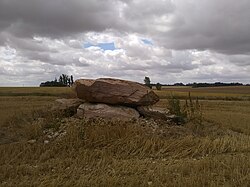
[62, 134]
[32, 141]
[150, 183]
[55, 135]
[50, 136]
[46, 141]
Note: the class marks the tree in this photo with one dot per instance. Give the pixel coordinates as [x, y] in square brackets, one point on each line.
[158, 86]
[71, 80]
[60, 79]
[64, 80]
[147, 82]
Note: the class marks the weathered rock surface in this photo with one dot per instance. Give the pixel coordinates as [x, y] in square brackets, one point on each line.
[105, 111]
[115, 91]
[155, 114]
[69, 102]
[67, 106]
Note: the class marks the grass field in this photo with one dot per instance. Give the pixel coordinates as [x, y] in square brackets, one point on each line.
[36, 91]
[99, 153]
[208, 93]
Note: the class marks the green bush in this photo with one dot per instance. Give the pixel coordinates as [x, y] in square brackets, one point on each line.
[158, 86]
[175, 108]
[190, 111]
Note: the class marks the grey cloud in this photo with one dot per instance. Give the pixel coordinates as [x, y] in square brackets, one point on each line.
[241, 60]
[150, 8]
[47, 37]
[222, 26]
[28, 44]
[60, 59]
[54, 52]
[56, 18]
[144, 16]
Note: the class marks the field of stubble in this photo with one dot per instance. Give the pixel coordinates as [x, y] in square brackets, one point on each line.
[137, 153]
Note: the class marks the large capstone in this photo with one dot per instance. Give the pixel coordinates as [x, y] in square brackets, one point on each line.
[115, 91]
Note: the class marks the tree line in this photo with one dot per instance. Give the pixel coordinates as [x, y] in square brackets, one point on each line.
[63, 81]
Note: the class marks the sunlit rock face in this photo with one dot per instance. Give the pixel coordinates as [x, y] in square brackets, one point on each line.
[115, 92]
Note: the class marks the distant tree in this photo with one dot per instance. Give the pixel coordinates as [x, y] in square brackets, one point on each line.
[51, 84]
[195, 85]
[179, 84]
[147, 82]
[60, 79]
[71, 80]
[64, 80]
[158, 86]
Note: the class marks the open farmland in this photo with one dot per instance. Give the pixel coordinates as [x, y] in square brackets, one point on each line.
[207, 93]
[16, 100]
[37, 91]
[99, 153]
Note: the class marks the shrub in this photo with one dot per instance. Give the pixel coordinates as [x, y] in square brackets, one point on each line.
[190, 111]
[193, 109]
[175, 108]
[158, 86]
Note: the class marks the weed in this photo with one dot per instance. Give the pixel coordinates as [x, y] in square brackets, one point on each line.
[193, 110]
[175, 108]
[190, 111]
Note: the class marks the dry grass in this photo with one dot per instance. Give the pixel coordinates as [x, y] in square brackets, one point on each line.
[114, 154]
[21, 104]
[37, 91]
[234, 115]
[101, 153]
[16, 100]
[209, 93]
[223, 89]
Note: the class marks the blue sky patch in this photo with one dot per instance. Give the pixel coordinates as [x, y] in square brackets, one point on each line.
[87, 45]
[147, 42]
[104, 46]
[107, 46]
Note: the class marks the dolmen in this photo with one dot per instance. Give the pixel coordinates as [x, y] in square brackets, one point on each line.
[110, 98]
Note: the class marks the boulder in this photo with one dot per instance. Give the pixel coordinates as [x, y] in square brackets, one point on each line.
[69, 102]
[115, 91]
[90, 110]
[162, 115]
[67, 106]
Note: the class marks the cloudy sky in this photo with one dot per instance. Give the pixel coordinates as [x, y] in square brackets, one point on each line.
[168, 40]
